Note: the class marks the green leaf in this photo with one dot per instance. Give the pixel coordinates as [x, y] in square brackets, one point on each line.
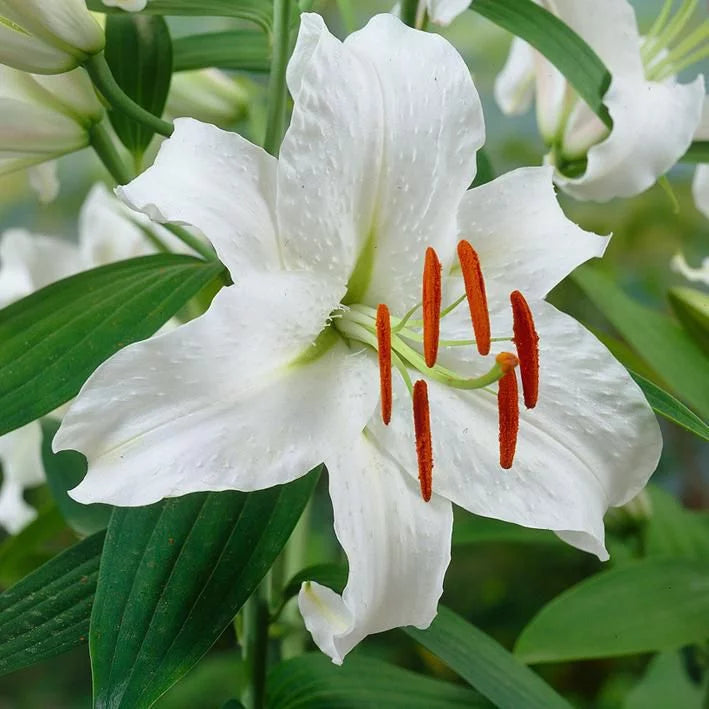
[243, 50]
[173, 576]
[313, 682]
[667, 406]
[665, 685]
[485, 170]
[570, 54]
[698, 152]
[47, 613]
[652, 605]
[65, 470]
[472, 529]
[667, 348]
[55, 338]
[485, 664]
[139, 53]
[691, 307]
[258, 11]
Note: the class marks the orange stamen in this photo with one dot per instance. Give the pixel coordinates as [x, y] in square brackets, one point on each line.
[526, 340]
[384, 352]
[508, 410]
[424, 449]
[475, 293]
[431, 306]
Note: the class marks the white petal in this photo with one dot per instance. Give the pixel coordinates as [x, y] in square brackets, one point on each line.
[44, 180]
[700, 189]
[702, 132]
[218, 403]
[653, 125]
[514, 85]
[75, 91]
[695, 275]
[524, 240]
[27, 53]
[591, 442]
[380, 149]
[397, 545]
[217, 182]
[443, 12]
[20, 458]
[29, 262]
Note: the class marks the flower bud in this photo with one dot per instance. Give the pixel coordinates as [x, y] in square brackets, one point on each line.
[47, 37]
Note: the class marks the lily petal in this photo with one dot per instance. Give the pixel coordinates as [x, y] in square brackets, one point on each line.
[700, 189]
[591, 442]
[236, 399]
[381, 147]
[514, 85]
[27, 53]
[443, 12]
[522, 237]
[219, 183]
[397, 545]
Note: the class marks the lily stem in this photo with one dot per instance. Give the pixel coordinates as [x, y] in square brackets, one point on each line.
[255, 616]
[277, 94]
[102, 77]
[103, 146]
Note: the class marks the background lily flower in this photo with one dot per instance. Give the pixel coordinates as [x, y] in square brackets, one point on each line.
[284, 371]
[440, 12]
[700, 183]
[127, 5]
[47, 37]
[44, 117]
[654, 116]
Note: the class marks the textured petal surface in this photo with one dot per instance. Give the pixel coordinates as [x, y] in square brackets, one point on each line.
[219, 403]
[591, 442]
[219, 183]
[397, 545]
[522, 237]
[380, 149]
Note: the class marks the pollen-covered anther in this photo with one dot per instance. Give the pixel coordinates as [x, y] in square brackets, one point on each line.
[526, 340]
[476, 295]
[431, 306]
[384, 353]
[508, 412]
[424, 447]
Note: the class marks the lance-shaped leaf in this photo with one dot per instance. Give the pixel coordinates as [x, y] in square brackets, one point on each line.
[52, 340]
[570, 54]
[173, 576]
[47, 613]
[698, 152]
[244, 50]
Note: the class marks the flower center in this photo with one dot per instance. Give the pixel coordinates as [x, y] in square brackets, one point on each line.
[406, 344]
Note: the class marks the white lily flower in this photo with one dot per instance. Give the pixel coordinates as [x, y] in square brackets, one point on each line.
[285, 369]
[127, 5]
[654, 116]
[700, 183]
[440, 12]
[44, 117]
[44, 180]
[695, 275]
[47, 36]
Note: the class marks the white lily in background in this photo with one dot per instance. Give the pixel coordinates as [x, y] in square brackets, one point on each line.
[108, 232]
[44, 180]
[286, 368]
[440, 12]
[695, 275]
[47, 36]
[654, 116]
[700, 183]
[127, 5]
[44, 117]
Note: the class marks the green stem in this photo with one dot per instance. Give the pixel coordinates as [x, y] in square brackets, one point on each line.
[254, 648]
[409, 10]
[103, 79]
[277, 94]
[102, 144]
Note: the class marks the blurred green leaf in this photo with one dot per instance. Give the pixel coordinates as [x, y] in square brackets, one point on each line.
[652, 605]
[485, 664]
[691, 307]
[47, 613]
[667, 406]
[313, 682]
[698, 152]
[660, 341]
[485, 171]
[173, 576]
[570, 54]
[55, 338]
[139, 53]
[258, 11]
[673, 531]
[65, 470]
[472, 529]
[243, 50]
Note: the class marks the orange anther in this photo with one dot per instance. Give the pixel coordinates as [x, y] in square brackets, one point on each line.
[475, 293]
[384, 352]
[424, 449]
[527, 343]
[431, 306]
[508, 411]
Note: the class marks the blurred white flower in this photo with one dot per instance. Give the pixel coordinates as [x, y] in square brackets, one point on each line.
[128, 5]
[440, 12]
[44, 180]
[696, 275]
[654, 116]
[47, 36]
[700, 184]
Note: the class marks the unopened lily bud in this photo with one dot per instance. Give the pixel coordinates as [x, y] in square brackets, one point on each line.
[44, 117]
[47, 37]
